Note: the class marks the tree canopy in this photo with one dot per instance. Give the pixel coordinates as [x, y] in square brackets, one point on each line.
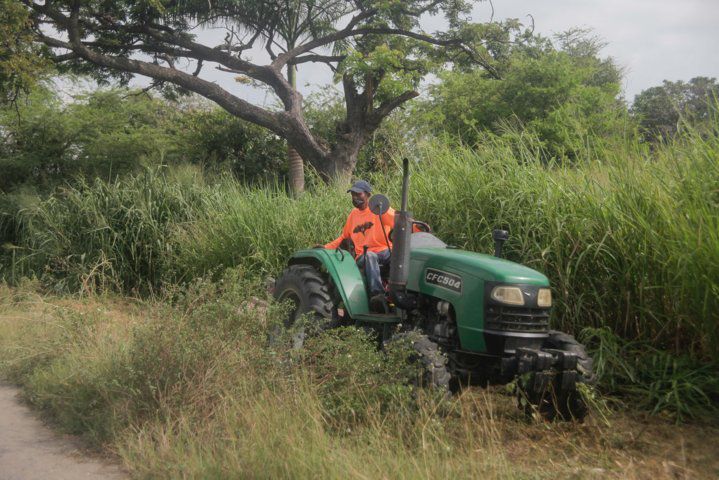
[20, 59]
[377, 49]
[108, 133]
[661, 109]
[560, 93]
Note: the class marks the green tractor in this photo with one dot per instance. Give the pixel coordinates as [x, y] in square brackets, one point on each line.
[472, 318]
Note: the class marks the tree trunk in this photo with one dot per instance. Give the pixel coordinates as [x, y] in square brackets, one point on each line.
[297, 171]
[297, 168]
[344, 159]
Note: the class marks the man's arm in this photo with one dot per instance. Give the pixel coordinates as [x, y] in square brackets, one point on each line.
[334, 244]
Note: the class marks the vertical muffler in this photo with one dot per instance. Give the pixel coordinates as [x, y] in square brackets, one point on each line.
[399, 263]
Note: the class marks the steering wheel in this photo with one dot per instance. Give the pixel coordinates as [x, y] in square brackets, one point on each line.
[421, 226]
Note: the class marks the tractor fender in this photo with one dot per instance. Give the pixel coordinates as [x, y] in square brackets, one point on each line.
[343, 272]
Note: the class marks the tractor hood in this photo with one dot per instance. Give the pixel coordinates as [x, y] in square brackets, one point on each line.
[485, 268]
[460, 277]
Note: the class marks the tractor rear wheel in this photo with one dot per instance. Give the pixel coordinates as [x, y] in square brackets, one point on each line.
[426, 355]
[309, 293]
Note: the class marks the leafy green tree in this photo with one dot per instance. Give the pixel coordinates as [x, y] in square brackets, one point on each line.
[564, 96]
[377, 48]
[661, 109]
[298, 21]
[324, 110]
[20, 61]
[104, 133]
[217, 141]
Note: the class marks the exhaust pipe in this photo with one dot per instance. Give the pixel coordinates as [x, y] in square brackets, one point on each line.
[399, 263]
[499, 237]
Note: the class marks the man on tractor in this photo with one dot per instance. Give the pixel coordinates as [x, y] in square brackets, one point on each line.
[369, 236]
[469, 317]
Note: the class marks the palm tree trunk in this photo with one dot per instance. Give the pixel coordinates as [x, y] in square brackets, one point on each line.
[297, 169]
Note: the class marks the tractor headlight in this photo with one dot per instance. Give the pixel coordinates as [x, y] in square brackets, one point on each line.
[544, 297]
[508, 295]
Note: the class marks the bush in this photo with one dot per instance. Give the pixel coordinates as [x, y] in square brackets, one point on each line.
[102, 134]
[565, 100]
[653, 379]
[354, 377]
[221, 143]
[97, 374]
[107, 236]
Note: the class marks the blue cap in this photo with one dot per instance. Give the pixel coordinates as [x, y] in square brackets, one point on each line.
[360, 186]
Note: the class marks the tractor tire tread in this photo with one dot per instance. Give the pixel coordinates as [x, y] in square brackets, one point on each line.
[312, 286]
[433, 359]
[585, 363]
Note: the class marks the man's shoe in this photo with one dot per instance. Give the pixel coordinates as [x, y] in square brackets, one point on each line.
[378, 304]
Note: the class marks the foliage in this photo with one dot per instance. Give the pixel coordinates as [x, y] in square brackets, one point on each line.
[110, 133]
[191, 390]
[661, 110]
[20, 62]
[606, 234]
[653, 379]
[107, 372]
[352, 373]
[101, 134]
[11, 225]
[377, 48]
[565, 99]
[391, 140]
[221, 143]
[118, 237]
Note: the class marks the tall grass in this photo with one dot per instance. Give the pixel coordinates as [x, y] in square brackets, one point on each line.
[109, 236]
[257, 227]
[630, 243]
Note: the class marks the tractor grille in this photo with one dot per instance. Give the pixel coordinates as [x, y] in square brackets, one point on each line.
[516, 319]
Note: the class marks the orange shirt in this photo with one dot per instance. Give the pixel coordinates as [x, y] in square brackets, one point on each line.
[364, 228]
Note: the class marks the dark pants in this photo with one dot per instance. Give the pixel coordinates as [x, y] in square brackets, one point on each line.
[374, 260]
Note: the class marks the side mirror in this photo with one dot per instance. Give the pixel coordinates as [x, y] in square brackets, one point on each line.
[499, 237]
[379, 204]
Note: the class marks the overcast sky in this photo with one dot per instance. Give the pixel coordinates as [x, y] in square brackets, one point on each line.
[652, 40]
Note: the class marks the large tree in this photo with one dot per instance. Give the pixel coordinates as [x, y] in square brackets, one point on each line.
[559, 93]
[661, 110]
[376, 48]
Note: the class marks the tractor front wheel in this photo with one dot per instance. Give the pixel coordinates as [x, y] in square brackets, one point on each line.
[552, 403]
[426, 355]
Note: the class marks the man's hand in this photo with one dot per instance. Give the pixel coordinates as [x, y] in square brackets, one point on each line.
[318, 246]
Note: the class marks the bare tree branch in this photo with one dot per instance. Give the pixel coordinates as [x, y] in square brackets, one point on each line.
[285, 58]
[389, 105]
[198, 69]
[317, 58]
[234, 105]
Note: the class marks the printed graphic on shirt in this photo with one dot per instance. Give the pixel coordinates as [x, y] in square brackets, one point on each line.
[363, 228]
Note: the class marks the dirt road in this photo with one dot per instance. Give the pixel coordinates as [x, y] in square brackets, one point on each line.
[29, 450]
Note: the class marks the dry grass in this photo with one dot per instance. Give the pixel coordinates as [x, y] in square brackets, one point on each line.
[232, 414]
